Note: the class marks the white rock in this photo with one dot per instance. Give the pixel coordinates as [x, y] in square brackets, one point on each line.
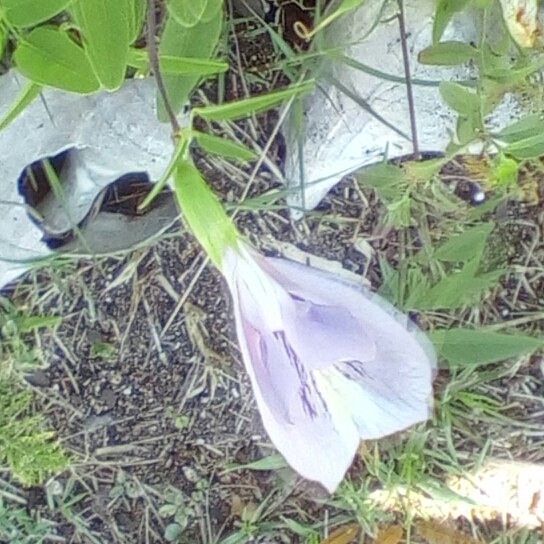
[340, 136]
[111, 134]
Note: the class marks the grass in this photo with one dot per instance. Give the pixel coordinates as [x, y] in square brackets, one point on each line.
[30, 451]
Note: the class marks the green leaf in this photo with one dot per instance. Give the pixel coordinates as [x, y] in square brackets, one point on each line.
[389, 289]
[203, 212]
[467, 245]
[224, 147]
[136, 16]
[139, 58]
[49, 57]
[530, 148]
[345, 6]
[247, 106]
[526, 127]
[31, 322]
[190, 12]
[25, 96]
[447, 54]
[445, 10]
[463, 347]
[105, 27]
[388, 180]
[167, 510]
[275, 461]
[31, 12]
[460, 99]
[510, 75]
[184, 65]
[199, 42]
[458, 288]
[3, 37]
[525, 138]
[172, 532]
[417, 285]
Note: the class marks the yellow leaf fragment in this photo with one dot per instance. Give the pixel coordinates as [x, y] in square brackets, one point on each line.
[439, 533]
[343, 535]
[521, 18]
[391, 535]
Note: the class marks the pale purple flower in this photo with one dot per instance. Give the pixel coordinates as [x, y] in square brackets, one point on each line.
[329, 362]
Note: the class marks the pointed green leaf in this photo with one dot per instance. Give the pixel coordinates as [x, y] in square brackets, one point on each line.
[526, 127]
[458, 288]
[467, 245]
[139, 58]
[389, 289]
[199, 42]
[3, 37]
[49, 57]
[529, 148]
[31, 12]
[463, 347]
[532, 148]
[224, 147]
[105, 27]
[447, 54]
[203, 212]
[184, 65]
[187, 12]
[525, 137]
[136, 16]
[459, 98]
[274, 461]
[247, 106]
[25, 96]
[445, 10]
[388, 180]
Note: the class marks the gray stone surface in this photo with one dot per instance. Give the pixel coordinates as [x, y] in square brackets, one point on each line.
[109, 135]
[339, 136]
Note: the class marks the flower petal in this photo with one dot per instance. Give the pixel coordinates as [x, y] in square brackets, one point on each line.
[328, 362]
[389, 329]
[318, 440]
[389, 392]
[327, 334]
[379, 404]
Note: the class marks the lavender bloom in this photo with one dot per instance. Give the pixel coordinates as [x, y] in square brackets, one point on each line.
[330, 363]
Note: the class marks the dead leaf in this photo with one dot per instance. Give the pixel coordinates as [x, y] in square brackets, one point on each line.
[439, 533]
[236, 506]
[390, 535]
[343, 535]
[521, 18]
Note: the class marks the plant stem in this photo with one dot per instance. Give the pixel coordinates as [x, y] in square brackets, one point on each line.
[154, 60]
[408, 78]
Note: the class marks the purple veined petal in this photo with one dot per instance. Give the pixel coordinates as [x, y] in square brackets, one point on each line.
[389, 392]
[326, 334]
[317, 437]
[289, 318]
[320, 333]
[378, 404]
[391, 331]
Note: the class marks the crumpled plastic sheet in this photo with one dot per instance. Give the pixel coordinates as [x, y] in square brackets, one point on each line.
[339, 136]
[109, 135]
